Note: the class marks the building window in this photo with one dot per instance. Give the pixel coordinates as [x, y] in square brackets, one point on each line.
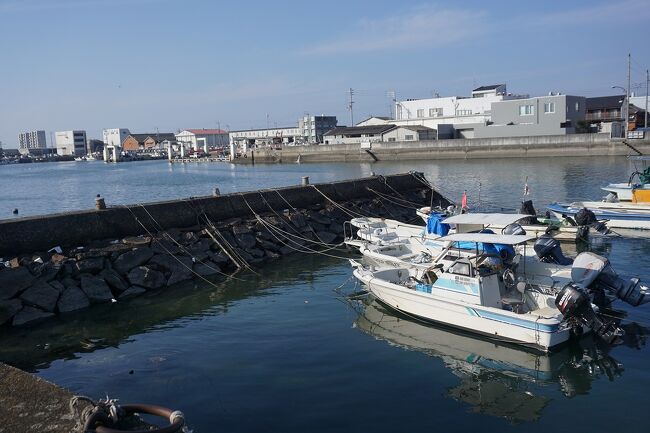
[435, 112]
[526, 110]
[577, 106]
[549, 107]
[463, 112]
[408, 137]
[391, 138]
[420, 112]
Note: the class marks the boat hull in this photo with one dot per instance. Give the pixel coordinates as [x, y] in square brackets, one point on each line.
[615, 215]
[540, 333]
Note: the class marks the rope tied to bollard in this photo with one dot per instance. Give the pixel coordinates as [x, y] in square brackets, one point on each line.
[103, 415]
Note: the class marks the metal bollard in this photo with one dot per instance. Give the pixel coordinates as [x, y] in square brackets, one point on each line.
[99, 203]
[305, 180]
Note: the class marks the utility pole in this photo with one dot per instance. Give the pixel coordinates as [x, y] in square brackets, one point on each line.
[647, 80]
[393, 98]
[351, 92]
[627, 96]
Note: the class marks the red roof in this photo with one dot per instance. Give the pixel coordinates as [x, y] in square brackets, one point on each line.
[206, 131]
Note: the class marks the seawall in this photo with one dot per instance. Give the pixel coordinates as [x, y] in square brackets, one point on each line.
[538, 146]
[59, 264]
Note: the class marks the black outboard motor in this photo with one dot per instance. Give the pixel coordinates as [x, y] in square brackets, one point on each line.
[575, 306]
[596, 274]
[513, 229]
[585, 217]
[527, 208]
[548, 250]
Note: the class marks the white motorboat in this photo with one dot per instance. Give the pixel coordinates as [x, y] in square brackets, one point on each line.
[632, 191]
[615, 215]
[467, 297]
[555, 228]
[542, 266]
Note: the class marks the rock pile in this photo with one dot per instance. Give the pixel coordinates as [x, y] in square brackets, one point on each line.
[41, 285]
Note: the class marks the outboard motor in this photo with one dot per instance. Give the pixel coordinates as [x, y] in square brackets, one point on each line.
[527, 208]
[585, 217]
[548, 250]
[513, 229]
[596, 273]
[575, 306]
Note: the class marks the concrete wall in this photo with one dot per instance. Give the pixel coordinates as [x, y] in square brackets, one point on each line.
[40, 233]
[544, 146]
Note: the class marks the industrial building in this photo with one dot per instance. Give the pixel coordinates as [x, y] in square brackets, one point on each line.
[114, 137]
[310, 130]
[70, 142]
[31, 140]
[202, 138]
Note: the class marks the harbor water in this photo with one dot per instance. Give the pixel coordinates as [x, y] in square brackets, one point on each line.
[289, 349]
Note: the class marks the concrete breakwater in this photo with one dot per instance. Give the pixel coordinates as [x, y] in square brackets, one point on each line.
[538, 146]
[112, 254]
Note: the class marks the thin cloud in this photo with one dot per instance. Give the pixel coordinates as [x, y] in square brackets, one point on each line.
[424, 27]
[45, 5]
[621, 12]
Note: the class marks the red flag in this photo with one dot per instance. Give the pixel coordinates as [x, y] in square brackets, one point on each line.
[463, 201]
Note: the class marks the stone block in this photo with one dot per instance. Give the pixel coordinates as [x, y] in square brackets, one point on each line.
[29, 315]
[8, 309]
[114, 280]
[72, 299]
[129, 260]
[95, 288]
[92, 265]
[13, 281]
[146, 277]
[132, 292]
[41, 295]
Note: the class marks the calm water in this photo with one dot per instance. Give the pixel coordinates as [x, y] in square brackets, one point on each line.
[287, 350]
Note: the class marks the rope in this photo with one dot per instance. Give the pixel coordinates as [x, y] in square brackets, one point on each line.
[303, 248]
[171, 254]
[240, 260]
[350, 213]
[182, 248]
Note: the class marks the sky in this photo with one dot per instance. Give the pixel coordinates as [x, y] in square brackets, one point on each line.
[166, 65]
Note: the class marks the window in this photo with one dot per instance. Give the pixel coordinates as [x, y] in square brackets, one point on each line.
[463, 112]
[408, 137]
[391, 138]
[420, 113]
[577, 106]
[526, 110]
[435, 112]
[460, 268]
[549, 107]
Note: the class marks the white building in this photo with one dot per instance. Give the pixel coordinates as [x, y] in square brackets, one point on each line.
[70, 142]
[201, 138]
[265, 137]
[310, 130]
[452, 110]
[32, 140]
[115, 136]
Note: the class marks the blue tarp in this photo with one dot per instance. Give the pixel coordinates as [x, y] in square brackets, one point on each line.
[504, 251]
[436, 226]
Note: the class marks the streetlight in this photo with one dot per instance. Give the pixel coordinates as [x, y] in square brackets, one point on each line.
[626, 108]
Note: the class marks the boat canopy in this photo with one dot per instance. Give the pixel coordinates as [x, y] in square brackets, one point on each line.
[487, 238]
[486, 219]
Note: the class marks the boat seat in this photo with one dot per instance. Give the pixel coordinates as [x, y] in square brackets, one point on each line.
[515, 304]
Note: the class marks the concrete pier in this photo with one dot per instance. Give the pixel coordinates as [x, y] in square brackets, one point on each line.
[539, 146]
[31, 404]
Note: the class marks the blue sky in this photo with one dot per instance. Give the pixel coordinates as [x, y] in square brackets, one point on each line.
[167, 64]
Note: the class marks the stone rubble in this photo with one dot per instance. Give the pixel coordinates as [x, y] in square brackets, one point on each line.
[41, 285]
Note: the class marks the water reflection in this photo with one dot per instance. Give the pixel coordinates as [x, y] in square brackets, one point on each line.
[111, 325]
[501, 380]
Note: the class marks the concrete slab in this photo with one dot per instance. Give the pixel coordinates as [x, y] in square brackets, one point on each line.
[31, 404]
